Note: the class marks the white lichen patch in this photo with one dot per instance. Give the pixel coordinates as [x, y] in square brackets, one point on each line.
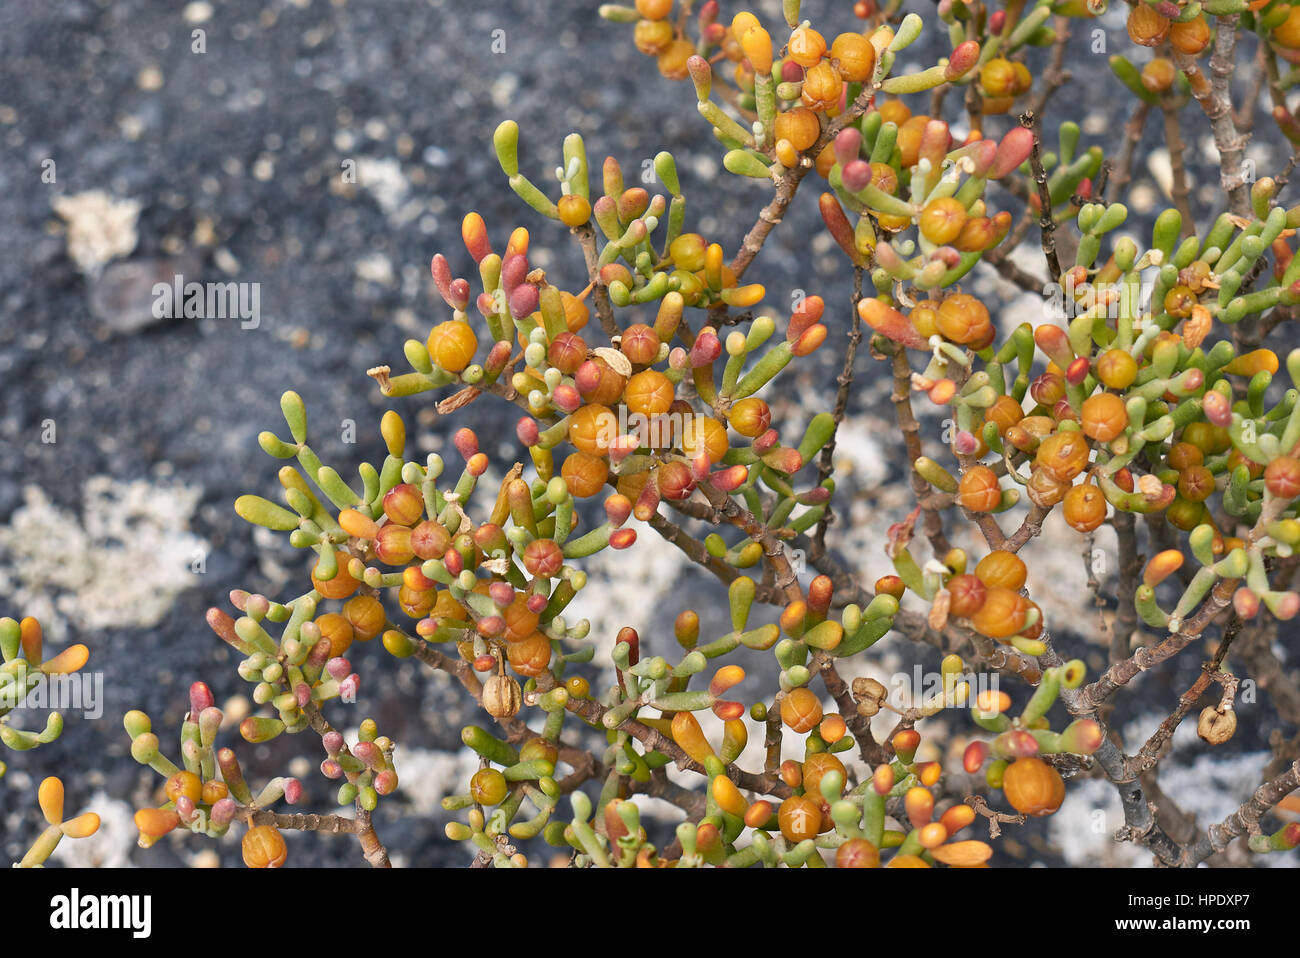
[1211, 788]
[632, 587]
[429, 776]
[384, 180]
[119, 564]
[111, 846]
[99, 228]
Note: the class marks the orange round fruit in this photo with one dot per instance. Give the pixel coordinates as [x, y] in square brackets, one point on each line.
[1085, 507]
[1002, 615]
[584, 474]
[529, 656]
[592, 428]
[1104, 416]
[1063, 455]
[801, 710]
[855, 56]
[979, 490]
[942, 219]
[1002, 569]
[800, 818]
[964, 319]
[263, 847]
[1033, 787]
[800, 126]
[452, 345]
[342, 585]
[648, 393]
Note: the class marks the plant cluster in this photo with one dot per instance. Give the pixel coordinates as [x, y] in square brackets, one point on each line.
[1147, 402]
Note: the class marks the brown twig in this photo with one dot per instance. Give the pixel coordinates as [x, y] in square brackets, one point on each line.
[1046, 225]
[826, 463]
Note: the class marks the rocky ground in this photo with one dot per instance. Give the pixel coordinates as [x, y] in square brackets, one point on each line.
[324, 151]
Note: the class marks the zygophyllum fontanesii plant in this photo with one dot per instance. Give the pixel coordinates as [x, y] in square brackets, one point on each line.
[1147, 403]
[24, 674]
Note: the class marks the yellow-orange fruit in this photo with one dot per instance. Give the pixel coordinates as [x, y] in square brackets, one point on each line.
[979, 490]
[342, 585]
[1002, 615]
[855, 56]
[584, 474]
[263, 847]
[648, 393]
[801, 710]
[452, 345]
[592, 429]
[704, 434]
[338, 630]
[1063, 455]
[184, 785]
[942, 219]
[1085, 507]
[1104, 416]
[800, 126]
[529, 656]
[672, 60]
[365, 614]
[1033, 787]
[800, 818]
[1002, 570]
[964, 319]
[814, 767]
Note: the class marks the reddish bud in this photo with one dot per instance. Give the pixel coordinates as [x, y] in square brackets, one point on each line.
[1246, 603]
[617, 509]
[766, 442]
[440, 269]
[848, 145]
[1013, 150]
[707, 348]
[972, 759]
[473, 231]
[730, 479]
[566, 398]
[856, 176]
[200, 698]
[513, 270]
[527, 432]
[965, 443]
[1217, 408]
[964, 57]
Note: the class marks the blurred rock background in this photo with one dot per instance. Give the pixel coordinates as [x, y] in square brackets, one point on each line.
[324, 150]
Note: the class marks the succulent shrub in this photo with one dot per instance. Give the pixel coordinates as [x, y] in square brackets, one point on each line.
[1145, 399]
